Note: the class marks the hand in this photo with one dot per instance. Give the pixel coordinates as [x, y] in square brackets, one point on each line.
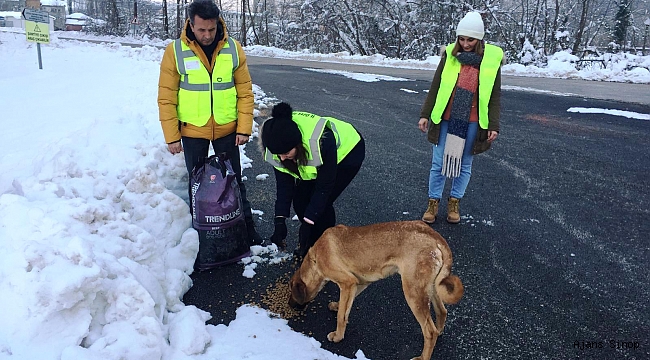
[175, 147]
[304, 239]
[241, 139]
[280, 232]
[492, 135]
[423, 124]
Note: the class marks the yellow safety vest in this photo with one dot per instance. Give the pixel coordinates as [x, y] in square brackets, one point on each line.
[202, 94]
[487, 75]
[311, 127]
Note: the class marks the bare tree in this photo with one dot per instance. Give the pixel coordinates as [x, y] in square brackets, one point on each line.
[165, 18]
[242, 36]
[178, 19]
[554, 28]
[581, 26]
[412, 29]
[113, 17]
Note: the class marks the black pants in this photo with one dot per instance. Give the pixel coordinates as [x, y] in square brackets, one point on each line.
[346, 171]
[196, 150]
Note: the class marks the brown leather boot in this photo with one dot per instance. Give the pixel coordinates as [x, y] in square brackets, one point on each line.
[453, 211]
[432, 211]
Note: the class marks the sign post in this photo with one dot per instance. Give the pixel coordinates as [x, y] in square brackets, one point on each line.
[37, 29]
[134, 22]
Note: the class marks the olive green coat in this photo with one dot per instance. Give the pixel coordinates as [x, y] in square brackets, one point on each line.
[494, 111]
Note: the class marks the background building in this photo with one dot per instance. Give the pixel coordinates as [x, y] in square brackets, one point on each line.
[56, 9]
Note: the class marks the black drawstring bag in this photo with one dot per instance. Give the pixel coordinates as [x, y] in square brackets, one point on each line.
[217, 213]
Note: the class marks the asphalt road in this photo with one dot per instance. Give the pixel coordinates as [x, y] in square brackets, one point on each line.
[623, 92]
[553, 248]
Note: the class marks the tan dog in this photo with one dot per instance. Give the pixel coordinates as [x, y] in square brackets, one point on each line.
[354, 257]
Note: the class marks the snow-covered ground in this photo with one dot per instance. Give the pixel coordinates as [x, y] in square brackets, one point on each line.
[96, 245]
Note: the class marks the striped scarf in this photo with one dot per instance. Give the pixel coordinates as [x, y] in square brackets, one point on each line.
[461, 107]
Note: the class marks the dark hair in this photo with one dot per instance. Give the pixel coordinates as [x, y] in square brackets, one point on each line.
[300, 159]
[205, 9]
[479, 48]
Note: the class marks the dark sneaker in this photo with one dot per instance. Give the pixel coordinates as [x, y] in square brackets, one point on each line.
[253, 236]
[280, 244]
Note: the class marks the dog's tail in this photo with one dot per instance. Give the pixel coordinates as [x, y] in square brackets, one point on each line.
[450, 289]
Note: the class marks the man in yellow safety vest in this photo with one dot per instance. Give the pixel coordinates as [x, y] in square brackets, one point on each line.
[205, 95]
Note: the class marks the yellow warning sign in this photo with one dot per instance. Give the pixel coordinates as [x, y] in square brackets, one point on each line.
[37, 32]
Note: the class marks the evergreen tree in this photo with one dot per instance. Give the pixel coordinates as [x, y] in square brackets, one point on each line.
[622, 22]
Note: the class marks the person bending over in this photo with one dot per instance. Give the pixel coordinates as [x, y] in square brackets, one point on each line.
[314, 158]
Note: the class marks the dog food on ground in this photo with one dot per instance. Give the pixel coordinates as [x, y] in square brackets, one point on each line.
[277, 298]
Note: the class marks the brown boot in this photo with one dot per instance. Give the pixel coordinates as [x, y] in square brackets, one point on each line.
[453, 211]
[432, 211]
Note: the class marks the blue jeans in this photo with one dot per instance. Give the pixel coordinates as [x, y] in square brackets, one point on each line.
[436, 179]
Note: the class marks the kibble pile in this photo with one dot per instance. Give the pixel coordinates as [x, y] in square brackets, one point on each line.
[276, 298]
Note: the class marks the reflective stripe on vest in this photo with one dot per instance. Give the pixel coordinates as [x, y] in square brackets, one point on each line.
[345, 136]
[487, 75]
[202, 94]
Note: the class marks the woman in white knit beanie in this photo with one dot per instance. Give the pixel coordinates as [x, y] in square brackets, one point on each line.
[461, 112]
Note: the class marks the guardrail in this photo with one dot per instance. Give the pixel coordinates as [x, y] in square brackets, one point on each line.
[591, 64]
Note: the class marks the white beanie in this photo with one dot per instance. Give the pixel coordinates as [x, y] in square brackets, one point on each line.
[471, 25]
